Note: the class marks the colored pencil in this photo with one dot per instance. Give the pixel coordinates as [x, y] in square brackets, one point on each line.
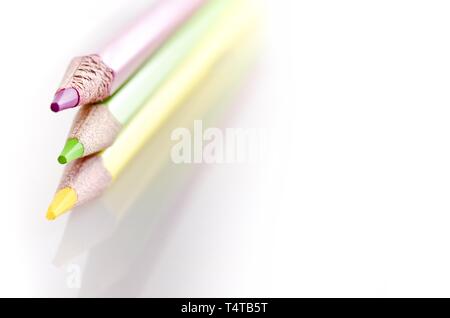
[96, 127]
[94, 77]
[86, 178]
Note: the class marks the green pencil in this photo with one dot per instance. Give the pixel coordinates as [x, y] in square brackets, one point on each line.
[96, 127]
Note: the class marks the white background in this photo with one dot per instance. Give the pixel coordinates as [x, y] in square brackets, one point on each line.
[357, 204]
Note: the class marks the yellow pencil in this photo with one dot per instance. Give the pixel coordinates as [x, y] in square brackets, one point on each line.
[88, 177]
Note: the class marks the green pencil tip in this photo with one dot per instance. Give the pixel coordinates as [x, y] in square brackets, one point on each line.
[62, 160]
[73, 149]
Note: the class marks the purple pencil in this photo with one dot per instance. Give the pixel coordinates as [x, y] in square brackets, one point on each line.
[94, 77]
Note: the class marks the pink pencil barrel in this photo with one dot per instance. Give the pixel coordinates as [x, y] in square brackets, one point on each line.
[130, 49]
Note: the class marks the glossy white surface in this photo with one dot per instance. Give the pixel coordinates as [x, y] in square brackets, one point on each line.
[355, 201]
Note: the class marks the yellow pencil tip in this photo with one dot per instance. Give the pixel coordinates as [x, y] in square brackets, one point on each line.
[50, 215]
[63, 201]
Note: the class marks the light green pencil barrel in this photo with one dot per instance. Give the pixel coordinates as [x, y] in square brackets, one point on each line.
[96, 127]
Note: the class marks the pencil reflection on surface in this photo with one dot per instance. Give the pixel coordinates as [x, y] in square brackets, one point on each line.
[124, 231]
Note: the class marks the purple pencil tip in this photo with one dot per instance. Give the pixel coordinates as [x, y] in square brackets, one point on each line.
[65, 98]
[54, 107]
